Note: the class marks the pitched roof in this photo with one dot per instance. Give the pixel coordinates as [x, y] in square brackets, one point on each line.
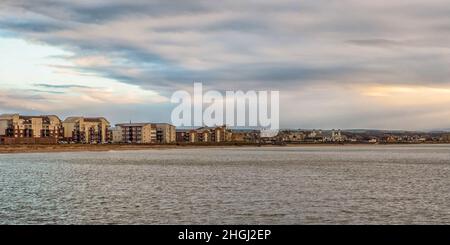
[72, 119]
[163, 124]
[86, 119]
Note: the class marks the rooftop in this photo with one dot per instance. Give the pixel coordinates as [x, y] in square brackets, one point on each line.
[86, 119]
[133, 124]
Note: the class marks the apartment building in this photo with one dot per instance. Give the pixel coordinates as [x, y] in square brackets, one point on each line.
[214, 134]
[165, 133]
[19, 129]
[247, 136]
[186, 136]
[116, 135]
[138, 133]
[204, 134]
[87, 130]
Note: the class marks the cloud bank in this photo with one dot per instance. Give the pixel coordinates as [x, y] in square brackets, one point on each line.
[328, 56]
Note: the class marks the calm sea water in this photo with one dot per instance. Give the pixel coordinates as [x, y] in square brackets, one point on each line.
[268, 185]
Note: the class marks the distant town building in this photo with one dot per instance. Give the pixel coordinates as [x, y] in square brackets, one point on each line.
[445, 137]
[315, 136]
[292, 136]
[19, 129]
[336, 136]
[89, 130]
[373, 141]
[390, 139]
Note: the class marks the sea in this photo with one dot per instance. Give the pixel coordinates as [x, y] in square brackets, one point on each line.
[367, 184]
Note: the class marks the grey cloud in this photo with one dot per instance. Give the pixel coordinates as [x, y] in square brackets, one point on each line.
[45, 91]
[251, 76]
[274, 25]
[99, 11]
[375, 42]
[45, 85]
[284, 45]
[21, 26]
[238, 25]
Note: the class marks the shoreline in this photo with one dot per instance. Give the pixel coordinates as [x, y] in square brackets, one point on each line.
[59, 148]
[56, 148]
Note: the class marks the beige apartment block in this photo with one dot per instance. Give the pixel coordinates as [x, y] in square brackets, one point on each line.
[165, 133]
[222, 134]
[30, 127]
[186, 136]
[4, 125]
[116, 135]
[138, 133]
[193, 136]
[214, 134]
[89, 130]
[205, 134]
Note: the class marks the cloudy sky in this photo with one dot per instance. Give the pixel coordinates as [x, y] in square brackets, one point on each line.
[337, 64]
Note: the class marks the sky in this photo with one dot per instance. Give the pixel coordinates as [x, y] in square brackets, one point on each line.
[337, 64]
